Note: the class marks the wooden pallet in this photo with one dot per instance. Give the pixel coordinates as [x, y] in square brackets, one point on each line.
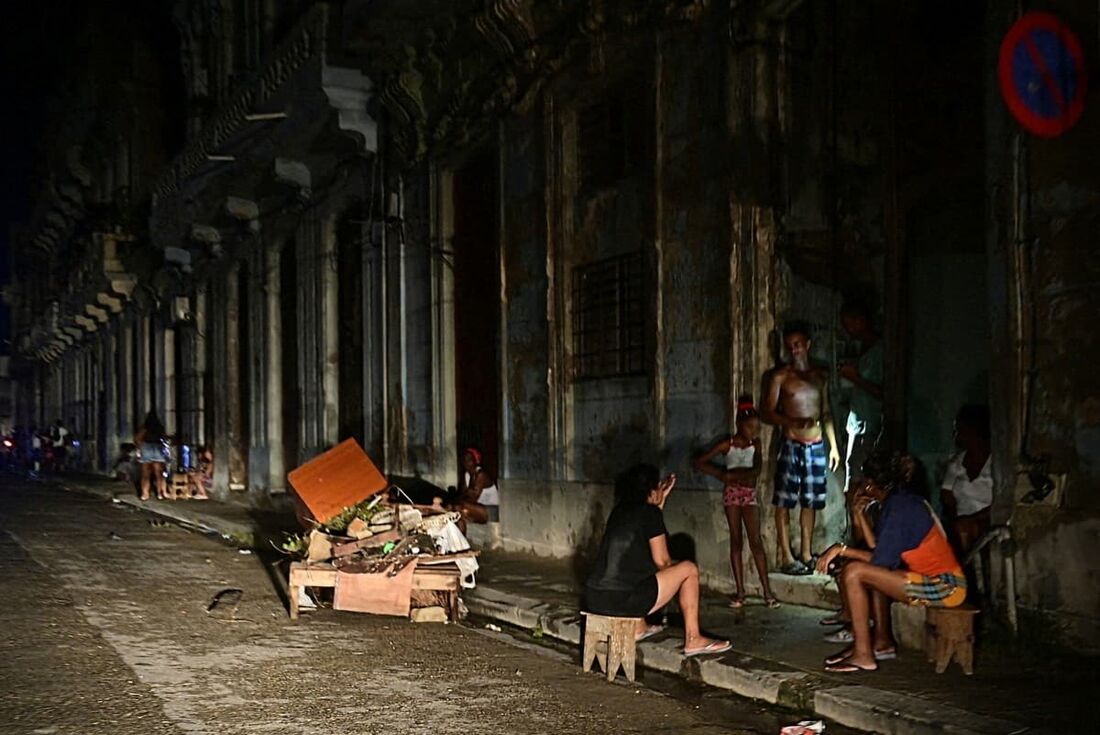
[438, 577]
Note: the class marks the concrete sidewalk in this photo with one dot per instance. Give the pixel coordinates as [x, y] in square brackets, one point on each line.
[777, 653]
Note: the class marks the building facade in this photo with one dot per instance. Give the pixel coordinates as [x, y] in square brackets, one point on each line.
[569, 233]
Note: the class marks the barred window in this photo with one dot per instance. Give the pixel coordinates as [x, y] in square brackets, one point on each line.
[609, 318]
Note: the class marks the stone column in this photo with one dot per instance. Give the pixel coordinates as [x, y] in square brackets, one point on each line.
[330, 377]
[231, 315]
[273, 429]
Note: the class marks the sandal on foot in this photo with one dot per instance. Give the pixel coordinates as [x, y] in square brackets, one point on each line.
[837, 658]
[736, 602]
[835, 619]
[846, 667]
[771, 603]
[844, 635]
[649, 632]
[795, 569]
[886, 654]
[712, 647]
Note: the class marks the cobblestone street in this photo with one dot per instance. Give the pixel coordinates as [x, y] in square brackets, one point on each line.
[105, 631]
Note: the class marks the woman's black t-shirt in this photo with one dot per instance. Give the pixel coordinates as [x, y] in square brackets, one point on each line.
[625, 559]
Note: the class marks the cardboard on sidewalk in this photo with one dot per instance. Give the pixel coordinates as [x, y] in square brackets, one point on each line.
[340, 478]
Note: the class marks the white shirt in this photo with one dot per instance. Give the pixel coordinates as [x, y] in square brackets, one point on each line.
[489, 495]
[740, 457]
[971, 495]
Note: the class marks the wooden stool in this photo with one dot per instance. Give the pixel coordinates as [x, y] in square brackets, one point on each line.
[949, 633]
[179, 485]
[610, 641]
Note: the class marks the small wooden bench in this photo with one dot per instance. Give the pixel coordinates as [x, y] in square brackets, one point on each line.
[610, 641]
[949, 633]
[444, 578]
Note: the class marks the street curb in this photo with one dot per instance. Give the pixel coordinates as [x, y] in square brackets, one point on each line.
[861, 707]
[245, 536]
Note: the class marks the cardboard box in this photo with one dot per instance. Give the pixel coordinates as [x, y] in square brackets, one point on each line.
[340, 478]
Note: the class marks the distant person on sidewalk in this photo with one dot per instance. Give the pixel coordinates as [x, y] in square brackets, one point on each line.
[152, 455]
[864, 375]
[634, 575]
[797, 401]
[912, 562]
[202, 477]
[967, 492]
[741, 462]
[477, 498]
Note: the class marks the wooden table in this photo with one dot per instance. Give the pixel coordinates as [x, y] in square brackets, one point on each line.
[435, 577]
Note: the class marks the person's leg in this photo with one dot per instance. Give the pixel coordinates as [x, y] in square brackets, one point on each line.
[146, 476]
[884, 629]
[807, 518]
[162, 485]
[860, 578]
[682, 581]
[783, 555]
[733, 518]
[756, 547]
[474, 512]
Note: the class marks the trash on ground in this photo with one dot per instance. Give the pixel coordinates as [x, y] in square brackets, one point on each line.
[806, 727]
[379, 552]
[493, 627]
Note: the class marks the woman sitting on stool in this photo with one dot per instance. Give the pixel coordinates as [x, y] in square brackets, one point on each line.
[634, 575]
[912, 562]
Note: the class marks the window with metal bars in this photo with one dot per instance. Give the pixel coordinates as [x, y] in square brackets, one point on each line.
[609, 318]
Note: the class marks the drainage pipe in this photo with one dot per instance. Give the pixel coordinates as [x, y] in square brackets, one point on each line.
[1003, 534]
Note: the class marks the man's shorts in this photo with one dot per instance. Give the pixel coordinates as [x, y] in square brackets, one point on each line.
[943, 590]
[800, 475]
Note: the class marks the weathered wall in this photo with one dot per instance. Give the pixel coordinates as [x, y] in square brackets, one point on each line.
[1044, 220]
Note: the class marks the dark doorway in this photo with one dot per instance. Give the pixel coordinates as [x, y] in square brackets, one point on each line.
[477, 307]
[288, 357]
[349, 295]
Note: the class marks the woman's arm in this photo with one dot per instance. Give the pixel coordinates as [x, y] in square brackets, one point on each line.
[658, 549]
[703, 461]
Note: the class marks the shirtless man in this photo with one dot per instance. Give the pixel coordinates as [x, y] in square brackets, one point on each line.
[796, 399]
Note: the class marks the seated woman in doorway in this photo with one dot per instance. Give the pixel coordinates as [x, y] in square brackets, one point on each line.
[912, 562]
[634, 575]
[967, 490]
[477, 500]
[152, 454]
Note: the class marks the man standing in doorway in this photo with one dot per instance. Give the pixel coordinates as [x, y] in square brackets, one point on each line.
[864, 374]
[797, 400]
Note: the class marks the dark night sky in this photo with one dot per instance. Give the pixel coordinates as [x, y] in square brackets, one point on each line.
[37, 48]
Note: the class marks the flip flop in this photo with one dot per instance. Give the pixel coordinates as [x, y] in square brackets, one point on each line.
[837, 658]
[771, 603]
[794, 569]
[834, 620]
[844, 635]
[888, 654]
[712, 647]
[649, 632]
[846, 668]
[736, 603]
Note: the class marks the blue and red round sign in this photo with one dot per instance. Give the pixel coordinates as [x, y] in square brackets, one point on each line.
[1042, 74]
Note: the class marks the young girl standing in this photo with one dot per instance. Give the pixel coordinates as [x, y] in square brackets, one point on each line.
[741, 460]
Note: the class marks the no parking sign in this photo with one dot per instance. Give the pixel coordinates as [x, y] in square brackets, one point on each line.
[1042, 74]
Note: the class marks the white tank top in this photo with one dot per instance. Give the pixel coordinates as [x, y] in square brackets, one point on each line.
[489, 496]
[740, 457]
